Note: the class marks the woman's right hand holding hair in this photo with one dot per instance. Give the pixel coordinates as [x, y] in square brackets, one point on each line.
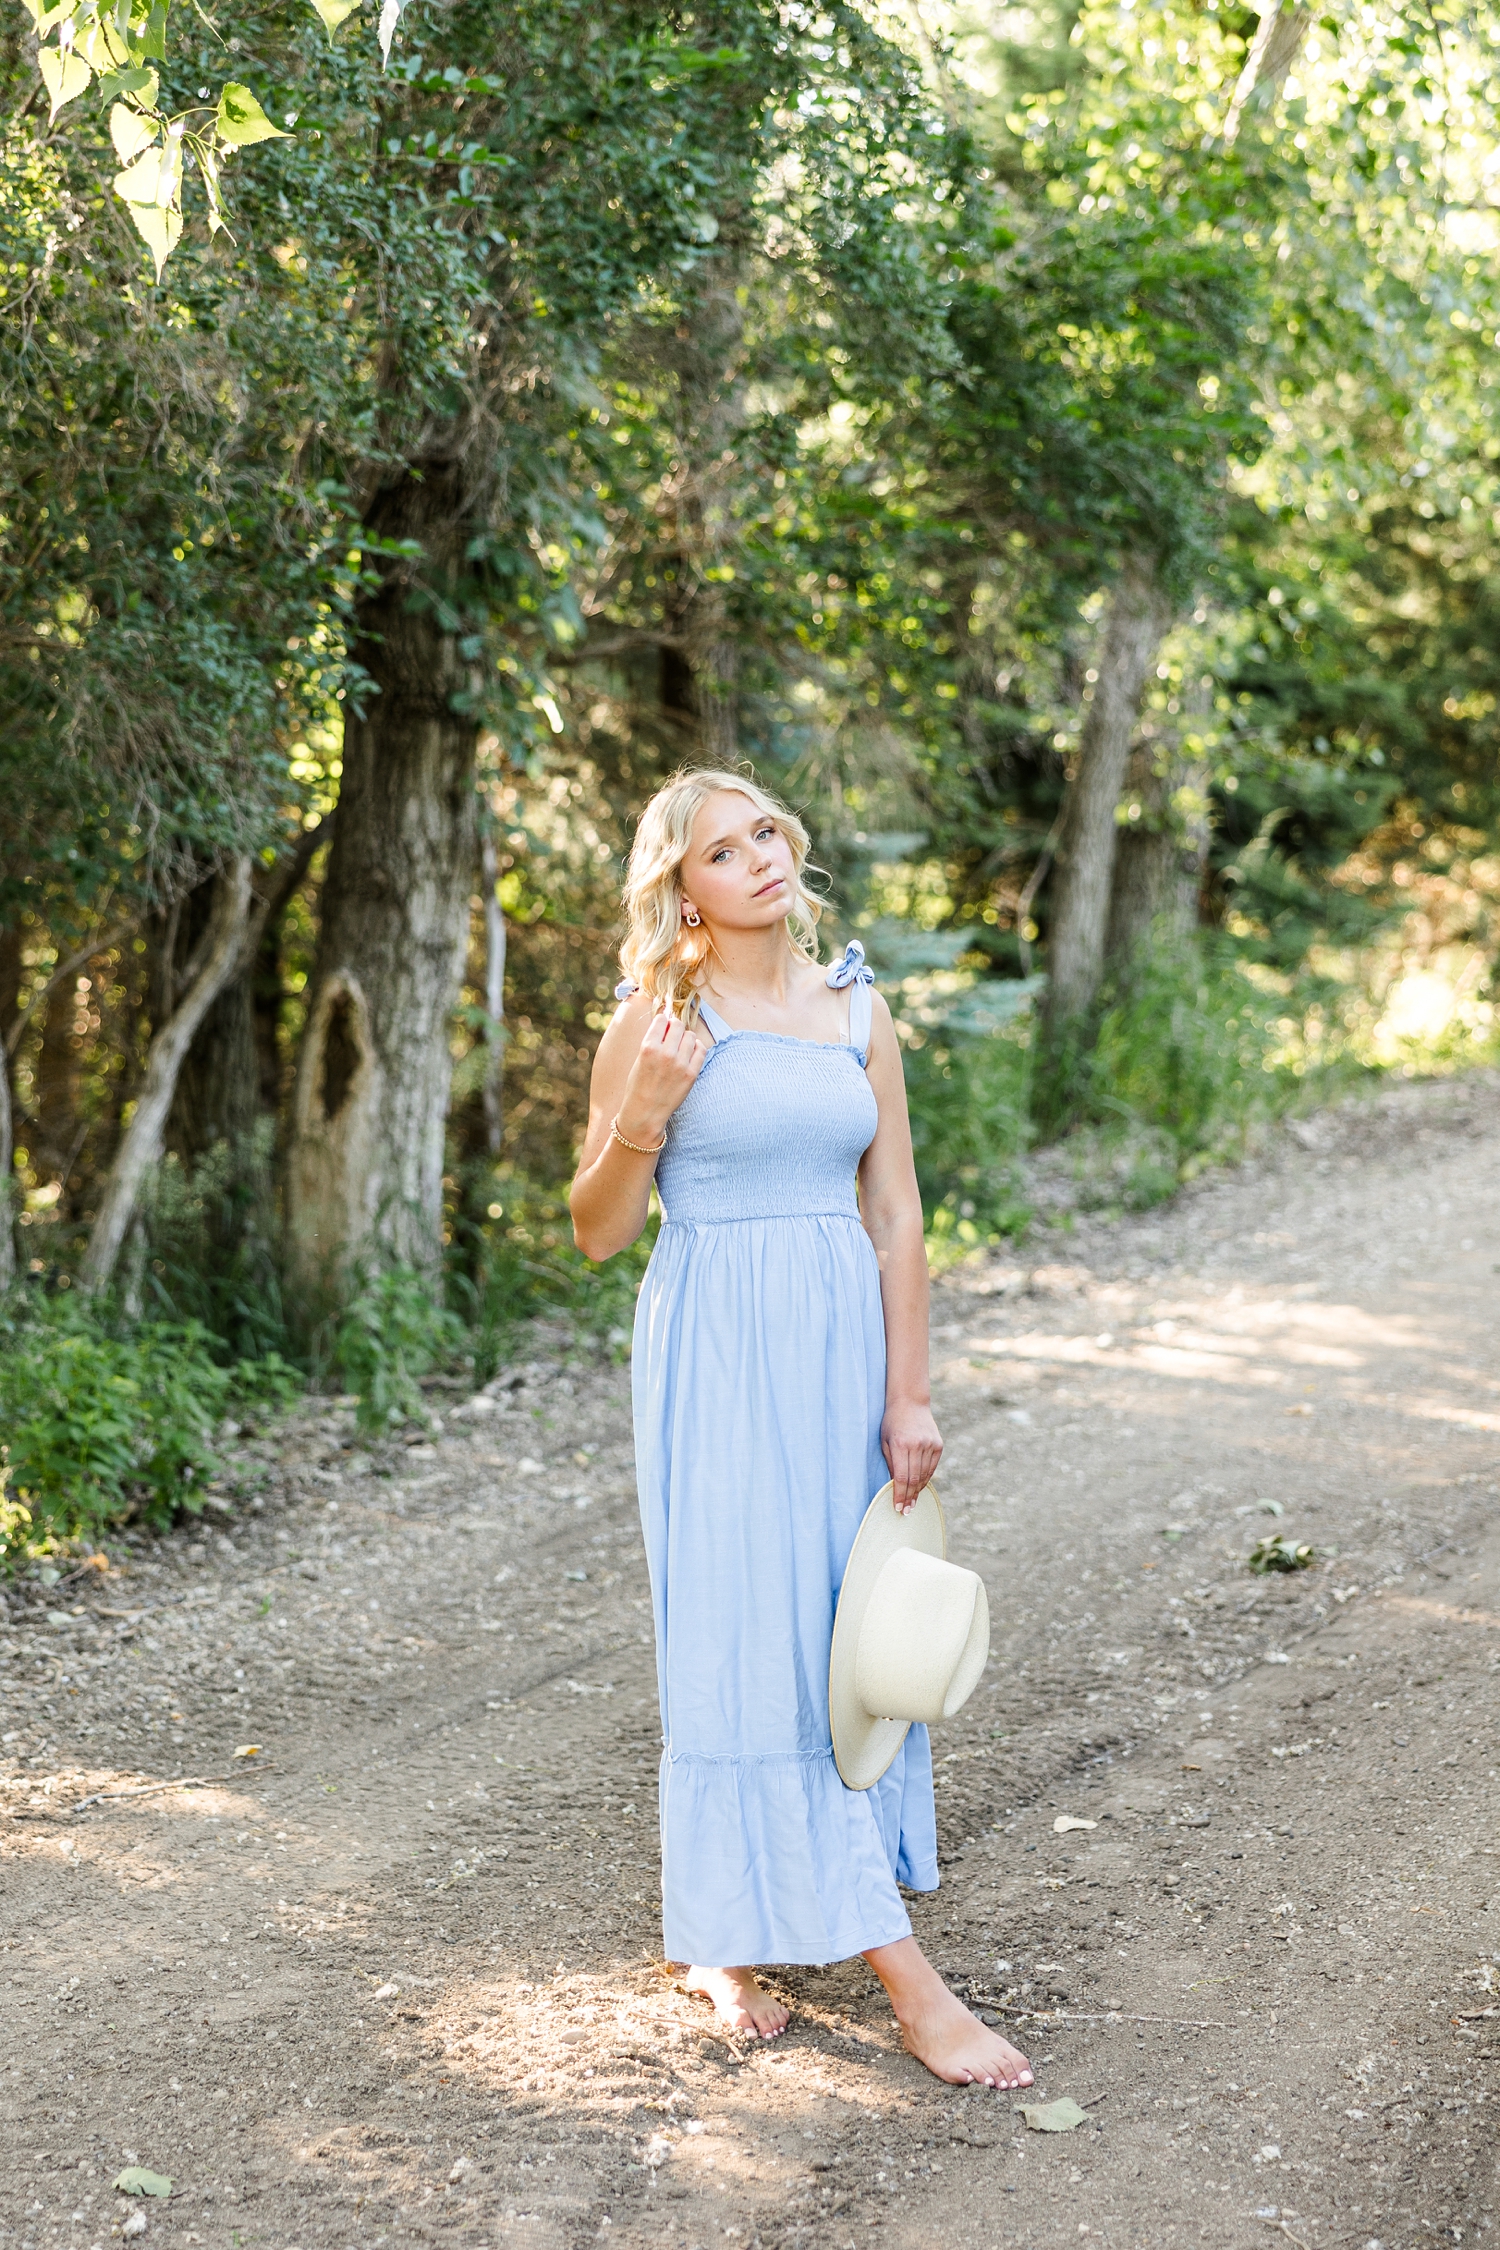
[661, 1077]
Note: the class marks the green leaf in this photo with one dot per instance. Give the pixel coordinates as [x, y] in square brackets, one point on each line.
[130, 132]
[333, 12]
[136, 2180]
[208, 166]
[140, 182]
[161, 231]
[1280, 1553]
[64, 76]
[390, 17]
[137, 80]
[1054, 2117]
[241, 120]
[103, 48]
[47, 19]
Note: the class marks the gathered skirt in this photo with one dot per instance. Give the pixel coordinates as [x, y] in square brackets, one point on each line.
[759, 1386]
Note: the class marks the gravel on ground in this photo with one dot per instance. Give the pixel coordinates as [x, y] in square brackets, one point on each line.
[329, 1856]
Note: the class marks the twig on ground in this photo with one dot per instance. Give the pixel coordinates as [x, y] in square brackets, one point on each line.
[156, 1788]
[1282, 2228]
[1112, 2015]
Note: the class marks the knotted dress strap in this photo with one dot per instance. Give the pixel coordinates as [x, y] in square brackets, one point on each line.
[851, 971]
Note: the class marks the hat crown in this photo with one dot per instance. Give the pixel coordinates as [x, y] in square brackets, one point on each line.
[923, 1640]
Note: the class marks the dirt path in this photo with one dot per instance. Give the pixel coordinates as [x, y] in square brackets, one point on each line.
[395, 1979]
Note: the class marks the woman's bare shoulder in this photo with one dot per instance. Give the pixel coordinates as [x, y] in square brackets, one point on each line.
[628, 1023]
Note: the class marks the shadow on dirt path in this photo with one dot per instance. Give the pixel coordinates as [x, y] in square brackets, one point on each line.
[394, 1978]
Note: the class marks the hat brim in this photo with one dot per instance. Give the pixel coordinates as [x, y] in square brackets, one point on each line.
[864, 1745]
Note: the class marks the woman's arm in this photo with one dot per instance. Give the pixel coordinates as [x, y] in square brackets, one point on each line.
[892, 1212]
[644, 1067]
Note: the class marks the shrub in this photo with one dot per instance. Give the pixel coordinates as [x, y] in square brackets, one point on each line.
[522, 1261]
[104, 1427]
[1191, 1048]
[393, 1331]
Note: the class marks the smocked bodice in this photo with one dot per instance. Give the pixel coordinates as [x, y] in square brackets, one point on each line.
[773, 1128]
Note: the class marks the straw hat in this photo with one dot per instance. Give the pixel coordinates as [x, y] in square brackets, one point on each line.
[910, 1639]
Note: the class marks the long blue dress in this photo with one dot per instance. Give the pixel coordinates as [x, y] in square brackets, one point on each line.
[759, 1385]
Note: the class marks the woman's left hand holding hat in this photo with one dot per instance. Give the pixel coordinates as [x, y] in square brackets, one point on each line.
[912, 1448]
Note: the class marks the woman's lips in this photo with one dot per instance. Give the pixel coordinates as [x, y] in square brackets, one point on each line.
[778, 883]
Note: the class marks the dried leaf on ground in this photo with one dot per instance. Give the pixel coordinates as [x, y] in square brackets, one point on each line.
[1060, 2116]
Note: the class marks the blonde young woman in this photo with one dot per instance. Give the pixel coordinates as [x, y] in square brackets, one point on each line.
[780, 1375]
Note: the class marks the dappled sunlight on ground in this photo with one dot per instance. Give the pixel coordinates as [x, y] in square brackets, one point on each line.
[399, 1981]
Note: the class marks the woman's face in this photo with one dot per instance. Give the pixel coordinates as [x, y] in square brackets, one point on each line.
[738, 870]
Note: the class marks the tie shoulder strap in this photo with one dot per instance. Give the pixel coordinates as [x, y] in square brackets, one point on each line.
[853, 972]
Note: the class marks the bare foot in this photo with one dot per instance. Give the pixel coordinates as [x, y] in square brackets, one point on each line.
[938, 2029]
[739, 2000]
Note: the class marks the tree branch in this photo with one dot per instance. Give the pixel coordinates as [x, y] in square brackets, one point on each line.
[140, 1146]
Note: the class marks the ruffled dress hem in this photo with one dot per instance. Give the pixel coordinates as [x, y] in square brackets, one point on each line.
[801, 1869]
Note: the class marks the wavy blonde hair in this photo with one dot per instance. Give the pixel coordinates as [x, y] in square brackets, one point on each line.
[661, 955]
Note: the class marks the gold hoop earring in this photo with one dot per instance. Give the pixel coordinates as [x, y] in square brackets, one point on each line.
[691, 916]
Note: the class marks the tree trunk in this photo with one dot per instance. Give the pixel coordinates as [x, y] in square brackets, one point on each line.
[1276, 46]
[494, 1000]
[375, 1067]
[1159, 858]
[216, 1097]
[719, 704]
[141, 1144]
[223, 1091]
[1137, 618]
[56, 1081]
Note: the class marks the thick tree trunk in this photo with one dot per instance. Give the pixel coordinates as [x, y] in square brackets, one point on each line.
[1159, 858]
[375, 1067]
[494, 1000]
[141, 1144]
[1137, 618]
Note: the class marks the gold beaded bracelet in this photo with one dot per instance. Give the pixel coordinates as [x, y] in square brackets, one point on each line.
[635, 1146]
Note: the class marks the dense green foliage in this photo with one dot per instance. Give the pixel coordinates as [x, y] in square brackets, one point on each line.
[813, 389]
[107, 1424]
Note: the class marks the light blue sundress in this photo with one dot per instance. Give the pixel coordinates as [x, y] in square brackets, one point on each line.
[759, 1385]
